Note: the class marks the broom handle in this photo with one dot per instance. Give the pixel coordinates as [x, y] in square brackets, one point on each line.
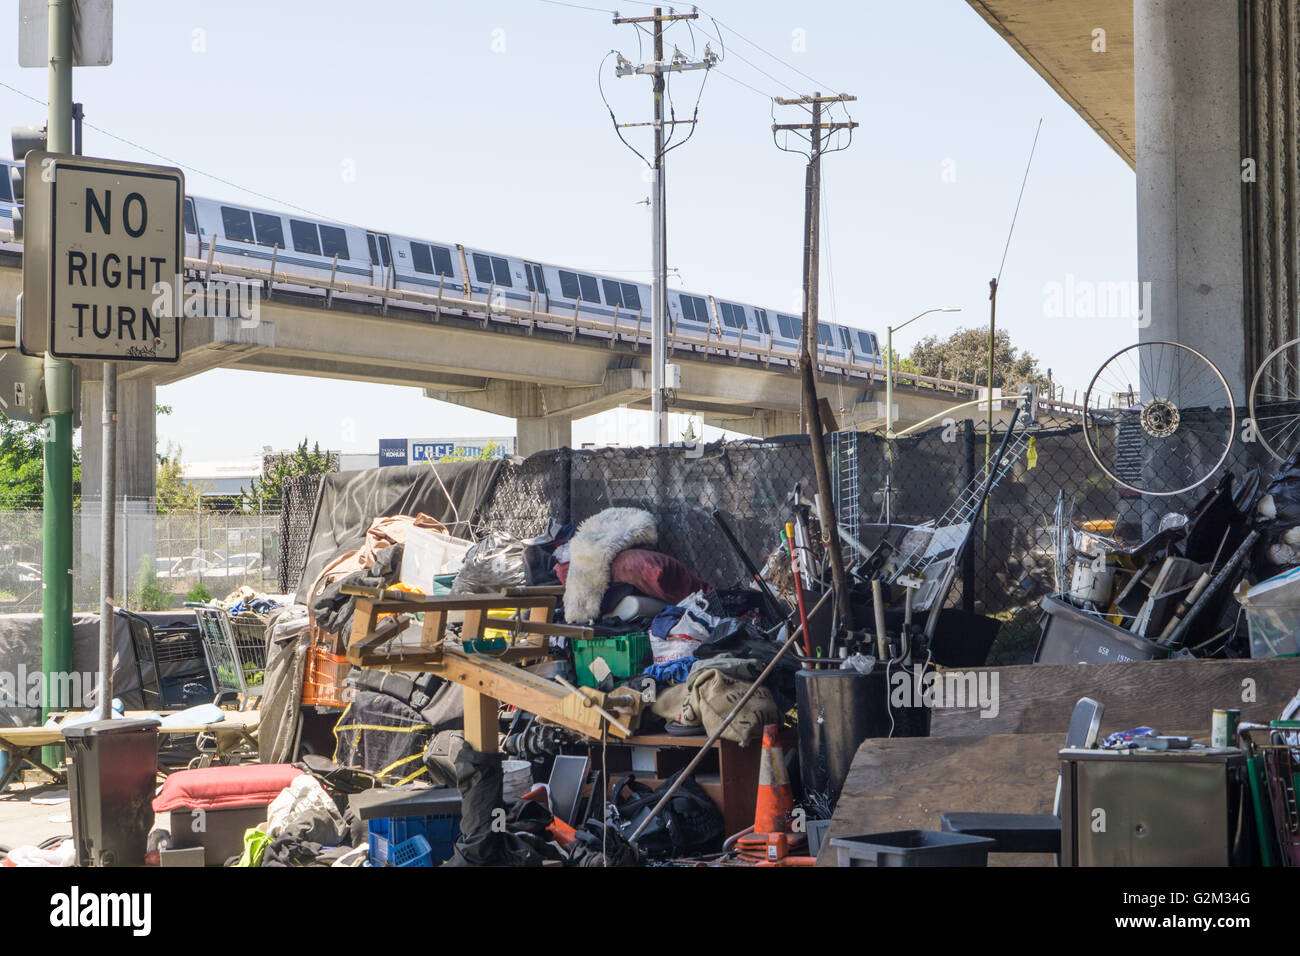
[726, 722]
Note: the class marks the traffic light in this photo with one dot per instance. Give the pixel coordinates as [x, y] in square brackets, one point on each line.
[25, 139]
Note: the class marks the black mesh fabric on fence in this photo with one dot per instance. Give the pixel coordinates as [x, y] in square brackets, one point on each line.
[747, 481]
[297, 505]
[1011, 564]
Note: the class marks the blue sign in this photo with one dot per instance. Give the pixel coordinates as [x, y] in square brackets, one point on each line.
[392, 451]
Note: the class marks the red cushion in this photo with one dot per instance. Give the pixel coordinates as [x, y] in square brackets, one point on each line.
[658, 575]
[211, 788]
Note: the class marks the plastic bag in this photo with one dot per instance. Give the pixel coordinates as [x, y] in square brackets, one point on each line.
[494, 563]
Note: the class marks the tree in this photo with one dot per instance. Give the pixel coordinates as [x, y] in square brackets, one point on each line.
[268, 490]
[22, 465]
[964, 357]
[173, 493]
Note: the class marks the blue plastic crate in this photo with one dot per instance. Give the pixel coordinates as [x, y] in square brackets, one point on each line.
[414, 852]
[387, 833]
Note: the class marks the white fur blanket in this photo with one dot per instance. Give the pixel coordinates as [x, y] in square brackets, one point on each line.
[594, 546]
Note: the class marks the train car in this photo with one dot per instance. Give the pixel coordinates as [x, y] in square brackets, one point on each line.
[242, 235]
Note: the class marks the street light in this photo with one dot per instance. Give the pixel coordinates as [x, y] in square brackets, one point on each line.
[889, 364]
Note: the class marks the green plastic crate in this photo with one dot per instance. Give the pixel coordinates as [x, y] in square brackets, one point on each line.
[627, 655]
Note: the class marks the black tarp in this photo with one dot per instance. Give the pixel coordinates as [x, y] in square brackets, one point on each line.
[450, 492]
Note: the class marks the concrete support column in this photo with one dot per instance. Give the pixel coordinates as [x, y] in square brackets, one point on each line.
[1189, 208]
[136, 481]
[543, 434]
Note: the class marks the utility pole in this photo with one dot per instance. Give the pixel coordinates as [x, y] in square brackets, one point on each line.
[812, 132]
[56, 569]
[657, 71]
[809, 413]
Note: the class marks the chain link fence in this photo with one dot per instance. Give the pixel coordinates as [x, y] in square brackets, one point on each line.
[1009, 566]
[160, 560]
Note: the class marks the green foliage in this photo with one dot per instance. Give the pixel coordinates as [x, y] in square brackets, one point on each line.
[22, 465]
[486, 453]
[149, 594]
[173, 493]
[199, 593]
[268, 490]
[964, 357]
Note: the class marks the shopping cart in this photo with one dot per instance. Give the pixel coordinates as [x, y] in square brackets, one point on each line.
[1274, 771]
[235, 648]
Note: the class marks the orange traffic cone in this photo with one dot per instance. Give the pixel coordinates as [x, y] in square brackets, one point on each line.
[772, 839]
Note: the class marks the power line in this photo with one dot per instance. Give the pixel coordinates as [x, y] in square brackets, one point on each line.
[175, 162]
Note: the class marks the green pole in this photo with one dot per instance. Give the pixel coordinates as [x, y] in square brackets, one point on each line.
[56, 596]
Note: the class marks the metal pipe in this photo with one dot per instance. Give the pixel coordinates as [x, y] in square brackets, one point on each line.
[878, 609]
[726, 722]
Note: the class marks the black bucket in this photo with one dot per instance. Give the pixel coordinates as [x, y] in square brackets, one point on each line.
[838, 709]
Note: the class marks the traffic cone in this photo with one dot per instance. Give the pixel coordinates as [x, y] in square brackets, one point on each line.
[772, 839]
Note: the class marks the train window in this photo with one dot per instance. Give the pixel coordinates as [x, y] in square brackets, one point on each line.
[631, 296]
[536, 278]
[845, 341]
[374, 250]
[334, 241]
[613, 292]
[824, 337]
[760, 316]
[590, 291]
[864, 343]
[191, 226]
[491, 269]
[421, 258]
[269, 230]
[789, 326]
[569, 285]
[305, 238]
[5, 194]
[733, 316]
[442, 261]
[694, 309]
[238, 224]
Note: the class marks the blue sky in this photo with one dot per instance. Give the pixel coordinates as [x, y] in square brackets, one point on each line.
[482, 123]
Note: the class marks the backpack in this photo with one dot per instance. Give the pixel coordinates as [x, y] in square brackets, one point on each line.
[690, 824]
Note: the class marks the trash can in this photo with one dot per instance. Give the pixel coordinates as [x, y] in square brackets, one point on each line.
[838, 709]
[112, 768]
[912, 848]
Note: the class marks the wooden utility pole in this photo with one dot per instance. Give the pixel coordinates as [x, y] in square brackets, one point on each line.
[812, 132]
[657, 70]
[809, 413]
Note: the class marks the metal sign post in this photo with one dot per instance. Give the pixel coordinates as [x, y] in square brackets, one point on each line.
[102, 267]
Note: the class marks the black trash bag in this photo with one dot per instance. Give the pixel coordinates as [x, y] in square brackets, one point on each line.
[524, 841]
[690, 824]
[492, 564]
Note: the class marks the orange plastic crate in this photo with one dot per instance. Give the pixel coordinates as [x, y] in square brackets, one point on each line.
[322, 681]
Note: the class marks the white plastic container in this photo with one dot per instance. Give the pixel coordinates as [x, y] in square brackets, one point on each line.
[1273, 611]
[429, 553]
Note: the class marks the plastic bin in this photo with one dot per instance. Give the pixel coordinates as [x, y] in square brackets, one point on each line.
[395, 816]
[112, 771]
[1073, 636]
[626, 654]
[429, 554]
[912, 848]
[1273, 614]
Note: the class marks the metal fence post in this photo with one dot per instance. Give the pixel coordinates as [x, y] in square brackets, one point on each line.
[968, 556]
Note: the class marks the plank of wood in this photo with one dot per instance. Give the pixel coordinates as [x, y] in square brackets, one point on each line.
[1039, 698]
[907, 783]
[482, 725]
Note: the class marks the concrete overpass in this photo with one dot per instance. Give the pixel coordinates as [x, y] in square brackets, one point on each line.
[1200, 98]
[542, 370]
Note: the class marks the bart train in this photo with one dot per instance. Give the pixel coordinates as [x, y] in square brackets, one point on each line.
[235, 234]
